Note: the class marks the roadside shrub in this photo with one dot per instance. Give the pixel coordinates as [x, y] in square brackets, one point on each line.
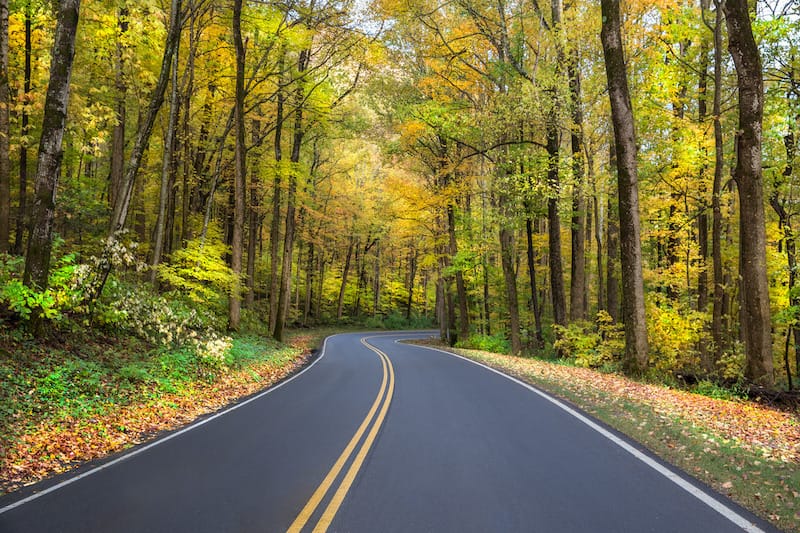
[674, 333]
[213, 352]
[374, 322]
[63, 294]
[486, 343]
[713, 390]
[591, 345]
[731, 362]
[155, 319]
[200, 272]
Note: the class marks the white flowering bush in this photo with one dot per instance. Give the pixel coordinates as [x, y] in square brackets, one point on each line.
[156, 320]
[213, 352]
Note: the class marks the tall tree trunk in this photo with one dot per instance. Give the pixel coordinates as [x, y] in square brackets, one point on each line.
[636, 357]
[412, 272]
[510, 277]
[612, 260]
[275, 223]
[188, 181]
[718, 302]
[578, 308]
[291, 194]
[376, 282]
[239, 177]
[309, 295]
[789, 243]
[5, 131]
[702, 220]
[536, 308]
[254, 223]
[756, 326]
[598, 233]
[461, 289]
[706, 355]
[145, 130]
[40, 237]
[166, 170]
[554, 182]
[22, 213]
[554, 224]
[118, 133]
[345, 272]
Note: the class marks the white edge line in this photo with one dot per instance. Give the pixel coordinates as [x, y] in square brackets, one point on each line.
[162, 440]
[698, 493]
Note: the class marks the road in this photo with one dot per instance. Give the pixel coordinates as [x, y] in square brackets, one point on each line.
[379, 436]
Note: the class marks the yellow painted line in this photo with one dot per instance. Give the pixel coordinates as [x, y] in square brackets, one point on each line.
[313, 502]
[347, 482]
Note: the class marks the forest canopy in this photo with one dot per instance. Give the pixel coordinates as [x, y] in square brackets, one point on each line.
[612, 183]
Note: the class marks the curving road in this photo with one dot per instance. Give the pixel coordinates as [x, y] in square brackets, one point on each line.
[378, 436]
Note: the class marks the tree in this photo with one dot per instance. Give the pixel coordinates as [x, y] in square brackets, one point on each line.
[239, 173]
[633, 313]
[40, 239]
[5, 103]
[755, 311]
[145, 130]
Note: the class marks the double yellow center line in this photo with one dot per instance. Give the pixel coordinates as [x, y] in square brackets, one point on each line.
[381, 403]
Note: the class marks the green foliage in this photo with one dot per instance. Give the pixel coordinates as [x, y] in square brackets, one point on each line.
[200, 271]
[71, 381]
[487, 343]
[675, 332]
[714, 390]
[63, 294]
[591, 345]
[731, 362]
[135, 372]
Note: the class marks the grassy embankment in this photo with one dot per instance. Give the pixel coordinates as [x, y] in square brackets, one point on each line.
[83, 396]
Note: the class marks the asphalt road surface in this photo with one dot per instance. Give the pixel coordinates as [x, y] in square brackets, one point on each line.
[378, 436]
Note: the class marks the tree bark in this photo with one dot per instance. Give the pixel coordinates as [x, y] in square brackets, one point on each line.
[166, 167]
[275, 223]
[239, 175]
[345, 272]
[412, 273]
[118, 133]
[784, 222]
[461, 289]
[510, 277]
[578, 308]
[309, 295]
[718, 301]
[145, 130]
[254, 223]
[291, 196]
[702, 221]
[554, 225]
[536, 308]
[40, 236]
[612, 261]
[22, 213]
[756, 325]
[5, 131]
[633, 312]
